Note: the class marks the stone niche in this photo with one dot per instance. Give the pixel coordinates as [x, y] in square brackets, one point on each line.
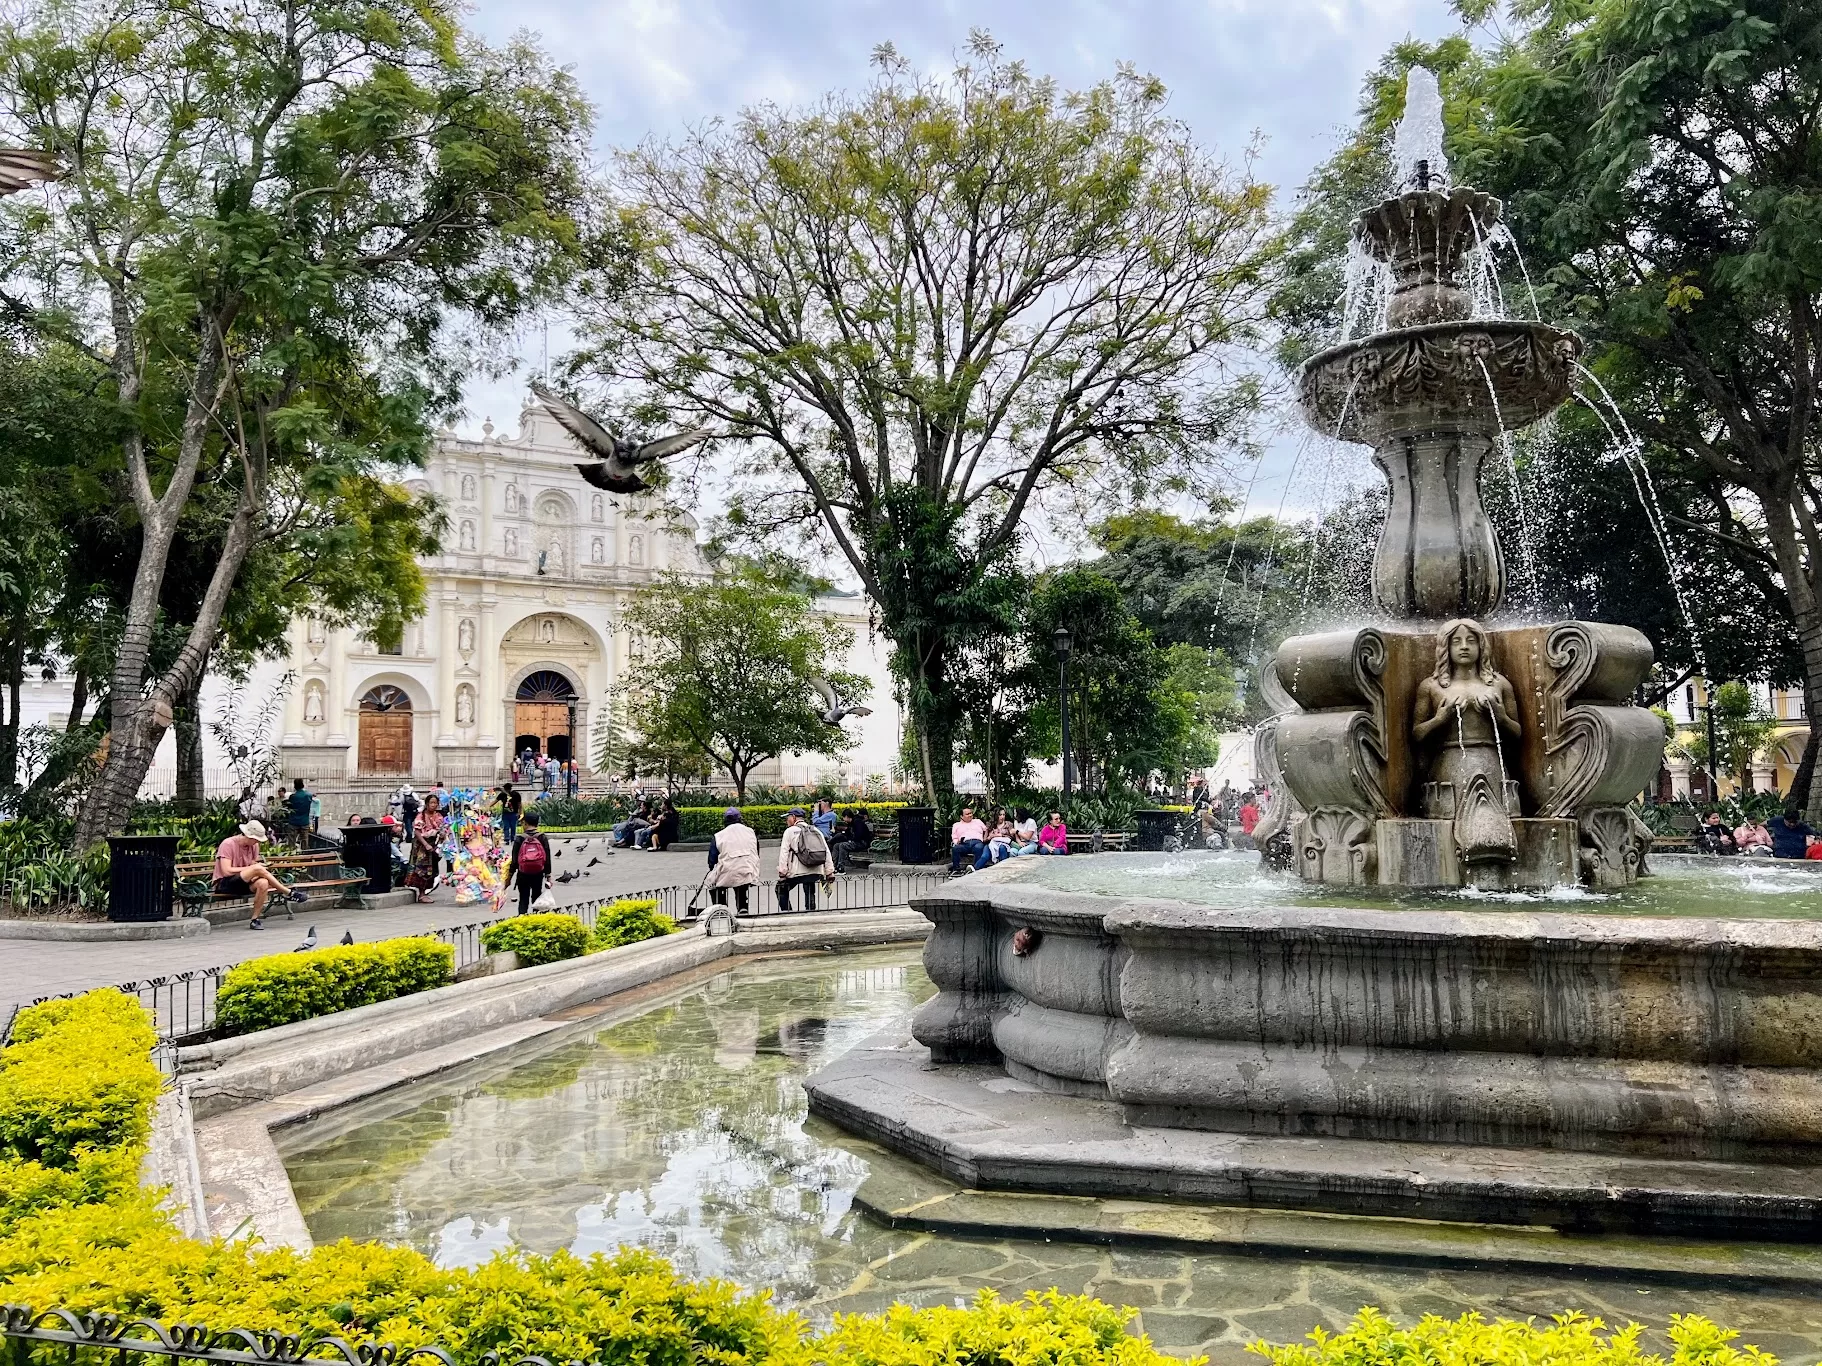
[1344, 748]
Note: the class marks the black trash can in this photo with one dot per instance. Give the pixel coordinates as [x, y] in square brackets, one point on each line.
[142, 876]
[916, 832]
[1154, 828]
[369, 848]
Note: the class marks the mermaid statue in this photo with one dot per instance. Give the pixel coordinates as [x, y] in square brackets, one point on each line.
[1472, 712]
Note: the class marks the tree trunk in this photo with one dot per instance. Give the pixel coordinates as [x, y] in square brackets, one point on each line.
[79, 699]
[187, 715]
[1803, 785]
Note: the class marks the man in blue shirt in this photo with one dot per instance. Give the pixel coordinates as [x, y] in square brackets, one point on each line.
[1789, 834]
[824, 819]
[300, 801]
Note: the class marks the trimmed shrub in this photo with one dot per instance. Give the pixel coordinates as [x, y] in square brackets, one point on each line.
[548, 938]
[1038, 1330]
[77, 1077]
[1570, 1339]
[628, 921]
[264, 993]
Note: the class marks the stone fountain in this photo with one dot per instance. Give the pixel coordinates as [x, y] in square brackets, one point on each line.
[1437, 1057]
[1442, 745]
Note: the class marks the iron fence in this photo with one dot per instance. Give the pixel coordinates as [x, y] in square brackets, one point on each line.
[64, 1334]
[182, 1004]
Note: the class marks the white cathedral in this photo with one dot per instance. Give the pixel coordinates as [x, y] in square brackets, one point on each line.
[522, 629]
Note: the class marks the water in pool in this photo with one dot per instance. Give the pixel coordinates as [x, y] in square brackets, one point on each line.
[682, 1127]
[1681, 885]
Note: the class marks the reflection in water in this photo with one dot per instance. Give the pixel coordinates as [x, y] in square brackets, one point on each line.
[684, 1131]
[1681, 885]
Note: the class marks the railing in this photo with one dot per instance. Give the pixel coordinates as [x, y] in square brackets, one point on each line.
[183, 1004]
[63, 1333]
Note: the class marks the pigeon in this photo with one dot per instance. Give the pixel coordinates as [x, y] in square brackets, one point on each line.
[593, 861]
[347, 937]
[566, 877]
[616, 468]
[556, 853]
[309, 942]
[834, 709]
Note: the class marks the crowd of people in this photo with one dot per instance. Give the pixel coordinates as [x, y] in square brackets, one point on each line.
[1783, 836]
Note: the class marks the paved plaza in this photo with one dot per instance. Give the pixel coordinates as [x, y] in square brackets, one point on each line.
[34, 968]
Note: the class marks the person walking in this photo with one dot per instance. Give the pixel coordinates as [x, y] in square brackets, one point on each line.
[300, 804]
[733, 860]
[408, 810]
[529, 864]
[803, 858]
[239, 872]
[426, 835]
[511, 804]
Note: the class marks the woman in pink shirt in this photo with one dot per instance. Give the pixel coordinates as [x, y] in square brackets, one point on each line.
[1054, 837]
[238, 871]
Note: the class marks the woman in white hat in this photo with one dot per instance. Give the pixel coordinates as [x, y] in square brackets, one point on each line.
[238, 871]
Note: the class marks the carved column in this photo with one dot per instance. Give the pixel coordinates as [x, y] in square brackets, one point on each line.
[444, 701]
[1437, 556]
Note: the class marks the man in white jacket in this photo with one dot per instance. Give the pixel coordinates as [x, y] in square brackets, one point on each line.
[733, 860]
[803, 858]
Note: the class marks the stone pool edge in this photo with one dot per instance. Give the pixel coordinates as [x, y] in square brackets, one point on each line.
[212, 1146]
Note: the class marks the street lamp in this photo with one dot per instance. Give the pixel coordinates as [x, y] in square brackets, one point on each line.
[574, 778]
[1060, 639]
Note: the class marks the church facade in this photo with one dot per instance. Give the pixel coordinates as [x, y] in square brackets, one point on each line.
[522, 639]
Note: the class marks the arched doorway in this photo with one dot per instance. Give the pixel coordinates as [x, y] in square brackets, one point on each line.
[541, 712]
[385, 731]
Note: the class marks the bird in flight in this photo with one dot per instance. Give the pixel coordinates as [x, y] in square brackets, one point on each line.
[834, 708]
[616, 468]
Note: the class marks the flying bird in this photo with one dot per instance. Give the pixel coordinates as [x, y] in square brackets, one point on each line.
[616, 467]
[834, 709]
[309, 942]
[593, 861]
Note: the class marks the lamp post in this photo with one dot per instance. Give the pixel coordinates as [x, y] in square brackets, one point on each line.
[1060, 639]
[574, 777]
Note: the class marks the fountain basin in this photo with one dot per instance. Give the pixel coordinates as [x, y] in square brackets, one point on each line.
[1685, 1051]
[1429, 378]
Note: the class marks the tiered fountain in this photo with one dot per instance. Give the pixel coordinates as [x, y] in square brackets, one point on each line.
[1441, 747]
[1416, 1053]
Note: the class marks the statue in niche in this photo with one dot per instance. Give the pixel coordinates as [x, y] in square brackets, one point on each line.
[597, 551]
[553, 554]
[313, 631]
[597, 509]
[512, 497]
[547, 631]
[465, 636]
[512, 541]
[315, 700]
[468, 488]
[1474, 712]
[464, 705]
[635, 550]
[467, 541]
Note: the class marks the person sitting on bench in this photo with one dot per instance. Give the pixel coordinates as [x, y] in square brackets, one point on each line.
[238, 871]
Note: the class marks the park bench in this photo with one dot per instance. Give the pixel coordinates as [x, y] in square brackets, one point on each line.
[1113, 841]
[307, 873]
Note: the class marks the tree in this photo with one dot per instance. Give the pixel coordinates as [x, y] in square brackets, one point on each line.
[272, 212]
[929, 307]
[1742, 727]
[723, 671]
[1661, 163]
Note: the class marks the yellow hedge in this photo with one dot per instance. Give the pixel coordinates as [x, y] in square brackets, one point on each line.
[263, 993]
[77, 1077]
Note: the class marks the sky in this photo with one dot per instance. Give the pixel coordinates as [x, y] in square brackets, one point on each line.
[1281, 75]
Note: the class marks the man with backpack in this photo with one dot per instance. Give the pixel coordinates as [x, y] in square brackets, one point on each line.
[803, 859]
[530, 863]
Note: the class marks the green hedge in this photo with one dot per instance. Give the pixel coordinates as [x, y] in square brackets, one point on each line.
[537, 938]
[77, 1087]
[701, 822]
[629, 921]
[263, 993]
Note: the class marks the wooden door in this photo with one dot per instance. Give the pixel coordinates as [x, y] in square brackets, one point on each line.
[542, 719]
[385, 742]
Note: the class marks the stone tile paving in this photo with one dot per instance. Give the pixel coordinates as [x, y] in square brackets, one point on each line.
[33, 968]
[685, 1131]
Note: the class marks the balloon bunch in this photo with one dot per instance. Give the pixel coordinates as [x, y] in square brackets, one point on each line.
[472, 851]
